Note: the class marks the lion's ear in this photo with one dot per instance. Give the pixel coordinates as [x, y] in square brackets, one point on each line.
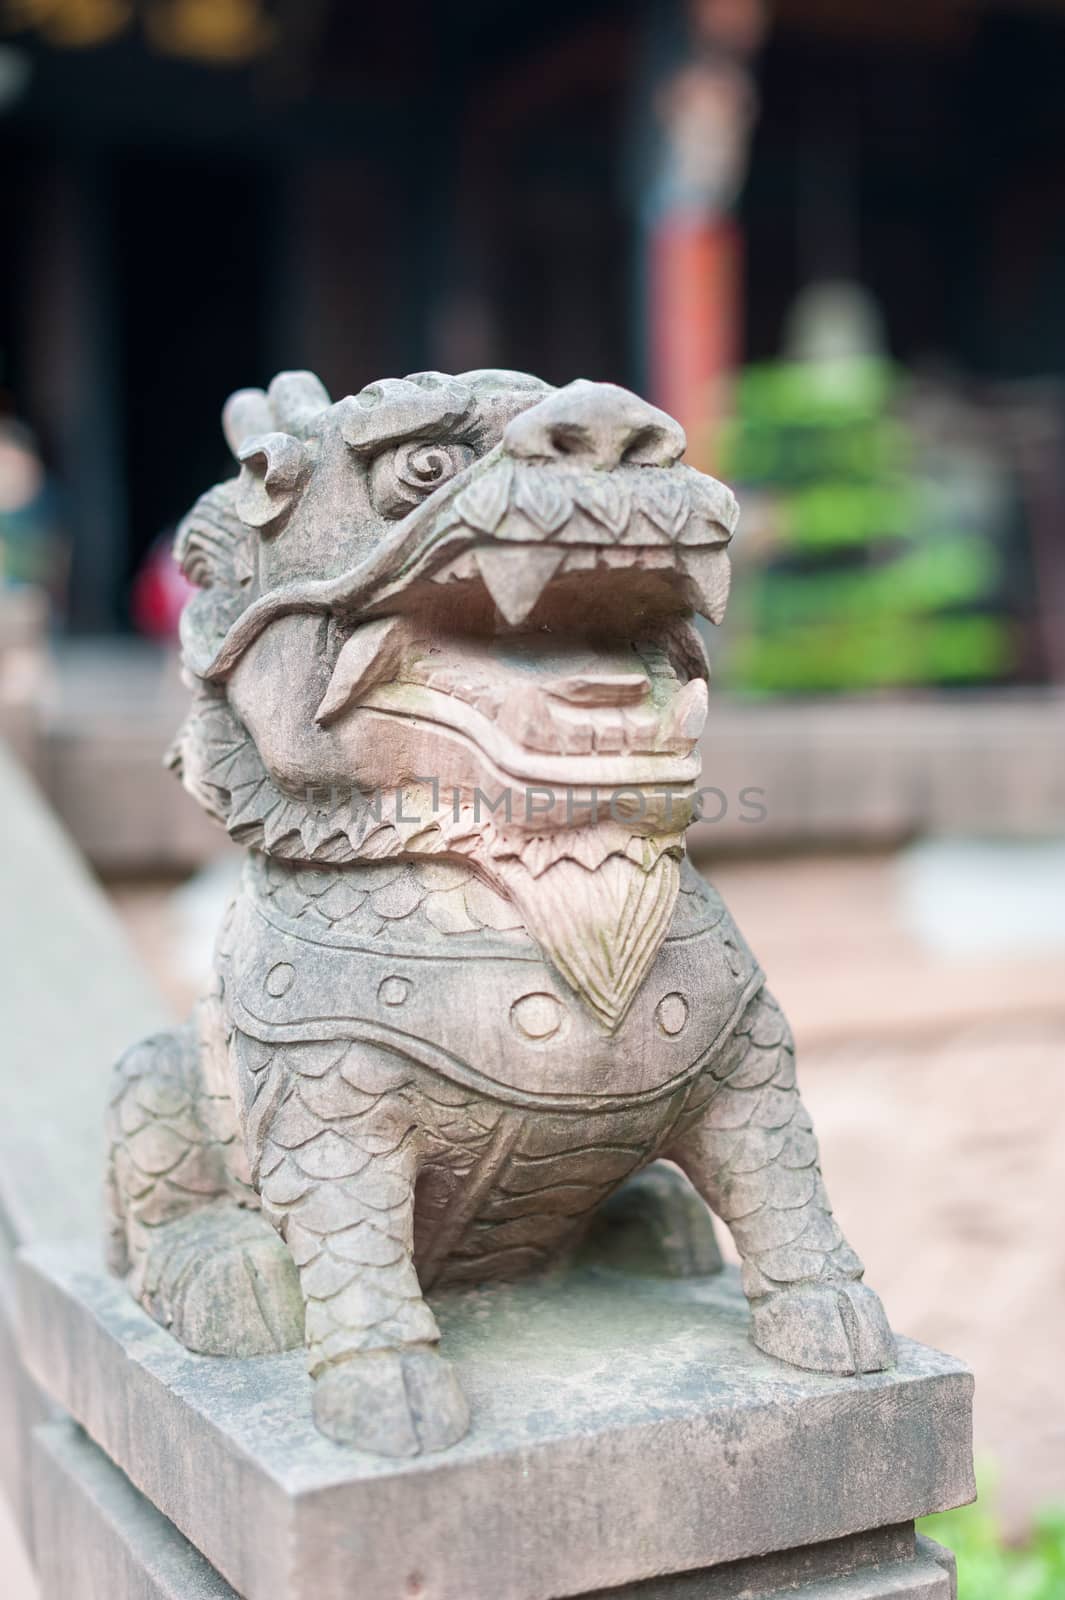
[296, 401]
[270, 468]
[293, 403]
[245, 414]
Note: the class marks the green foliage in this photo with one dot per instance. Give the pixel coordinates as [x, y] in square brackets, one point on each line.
[856, 655]
[861, 580]
[991, 1570]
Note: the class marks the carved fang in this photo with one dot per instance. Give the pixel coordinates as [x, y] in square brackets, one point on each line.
[369, 656]
[710, 575]
[516, 578]
[686, 718]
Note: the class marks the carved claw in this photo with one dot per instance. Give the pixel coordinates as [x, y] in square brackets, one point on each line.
[393, 1402]
[837, 1327]
[224, 1284]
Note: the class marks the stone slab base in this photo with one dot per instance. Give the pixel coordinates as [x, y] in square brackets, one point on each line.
[101, 1540]
[623, 1428]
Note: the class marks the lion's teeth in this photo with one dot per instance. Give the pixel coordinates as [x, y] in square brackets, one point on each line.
[686, 718]
[369, 656]
[619, 556]
[527, 718]
[461, 567]
[700, 530]
[716, 502]
[599, 688]
[489, 699]
[575, 732]
[641, 727]
[579, 560]
[709, 575]
[516, 578]
[609, 733]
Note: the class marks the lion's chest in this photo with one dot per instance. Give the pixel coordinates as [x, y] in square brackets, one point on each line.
[483, 1008]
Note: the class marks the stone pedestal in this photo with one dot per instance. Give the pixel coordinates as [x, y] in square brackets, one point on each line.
[97, 1538]
[627, 1440]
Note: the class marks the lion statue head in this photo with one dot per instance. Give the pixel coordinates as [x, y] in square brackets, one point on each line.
[454, 616]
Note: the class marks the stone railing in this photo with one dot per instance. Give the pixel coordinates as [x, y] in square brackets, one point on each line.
[71, 991]
[627, 1438]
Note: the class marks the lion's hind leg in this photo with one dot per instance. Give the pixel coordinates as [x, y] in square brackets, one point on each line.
[192, 1254]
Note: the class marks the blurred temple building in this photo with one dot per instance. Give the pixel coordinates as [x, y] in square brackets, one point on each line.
[201, 192]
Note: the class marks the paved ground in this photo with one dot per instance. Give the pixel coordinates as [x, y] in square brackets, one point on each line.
[936, 1087]
[936, 1083]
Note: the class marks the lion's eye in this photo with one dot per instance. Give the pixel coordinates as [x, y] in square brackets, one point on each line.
[400, 479]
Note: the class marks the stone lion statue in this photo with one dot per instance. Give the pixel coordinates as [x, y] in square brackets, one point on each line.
[447, 690]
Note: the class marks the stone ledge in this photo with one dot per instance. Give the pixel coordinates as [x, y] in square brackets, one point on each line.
[891, 1564]
[622, 1428]
[96, 1535]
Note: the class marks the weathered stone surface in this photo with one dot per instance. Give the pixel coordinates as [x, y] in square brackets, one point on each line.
[101, 1540]
[448, 690]
[70, 990]
[621, 1428]
[98, 1539]
[890, 1564]
[22, 1406]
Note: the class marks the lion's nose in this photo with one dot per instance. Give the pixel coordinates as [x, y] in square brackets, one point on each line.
[595, 425]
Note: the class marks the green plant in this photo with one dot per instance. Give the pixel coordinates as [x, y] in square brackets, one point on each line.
[989, 1569]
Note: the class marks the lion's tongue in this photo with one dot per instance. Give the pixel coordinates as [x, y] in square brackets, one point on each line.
[602, 929]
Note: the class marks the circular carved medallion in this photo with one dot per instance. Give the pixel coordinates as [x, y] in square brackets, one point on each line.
[279, 979]
[537, 1016]
[393, 991]
[671, 1013]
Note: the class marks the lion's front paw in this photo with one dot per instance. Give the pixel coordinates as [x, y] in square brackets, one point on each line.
[224, 1283]
[393, 1402]
[831, 1327]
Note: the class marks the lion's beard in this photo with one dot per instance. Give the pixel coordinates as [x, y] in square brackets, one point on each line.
[601, 927]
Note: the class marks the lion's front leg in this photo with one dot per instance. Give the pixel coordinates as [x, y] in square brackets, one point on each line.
[753, 1156]
[336, 1151]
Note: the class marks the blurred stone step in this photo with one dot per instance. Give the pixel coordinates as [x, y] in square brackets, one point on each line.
[98, 1539]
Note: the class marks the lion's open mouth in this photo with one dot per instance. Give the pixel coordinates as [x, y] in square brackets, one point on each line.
[537, 710]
